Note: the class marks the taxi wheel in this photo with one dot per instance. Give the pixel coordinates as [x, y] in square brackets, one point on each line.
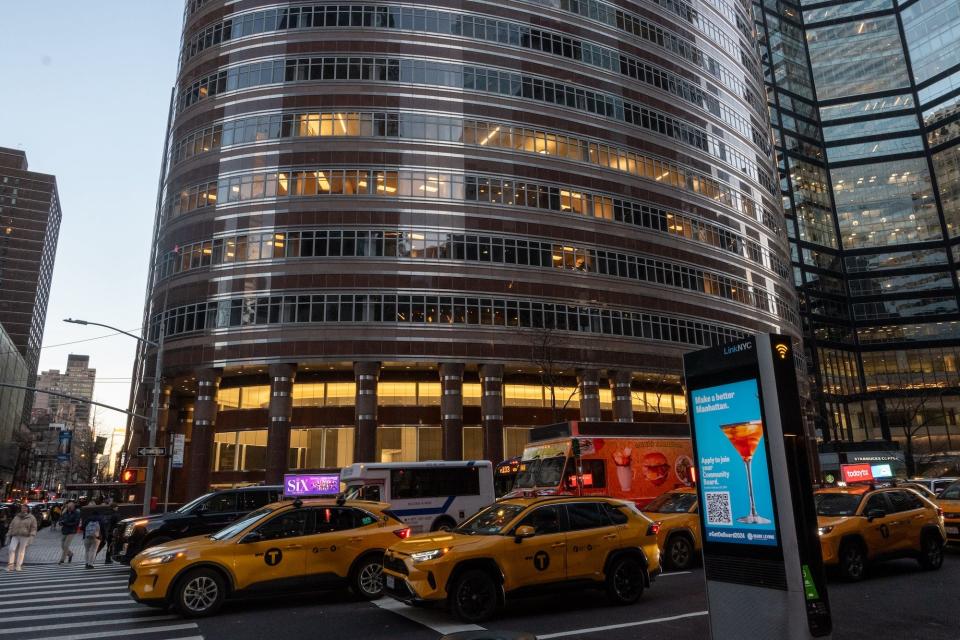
[931, 552]
[199, 593]
[367, 581]
[473, 596]
[625, 580]
[679, 553]
[853, 561]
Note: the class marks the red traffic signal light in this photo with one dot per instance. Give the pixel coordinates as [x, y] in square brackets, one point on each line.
[133, 475]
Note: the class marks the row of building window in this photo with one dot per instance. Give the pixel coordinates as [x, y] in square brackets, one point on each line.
[434, 309]
[333, 447]
[625, 211]
[901, 370]
[944, 330]
[614, 16]
[471, 248]
[392, 183]
[428, 394]
[466, 77]
[416, 126]
[476, 27]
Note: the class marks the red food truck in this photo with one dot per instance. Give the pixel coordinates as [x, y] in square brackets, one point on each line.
[631, 460]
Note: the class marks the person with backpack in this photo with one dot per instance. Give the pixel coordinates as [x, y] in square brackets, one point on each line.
[69, 523]
[23, 529]
[109, 521]
[92, 532]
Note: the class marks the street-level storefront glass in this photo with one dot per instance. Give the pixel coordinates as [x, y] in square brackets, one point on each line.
[319, 448]
[409, 443]
[240, 450]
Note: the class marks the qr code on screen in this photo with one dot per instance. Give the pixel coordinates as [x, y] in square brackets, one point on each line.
[718, 508]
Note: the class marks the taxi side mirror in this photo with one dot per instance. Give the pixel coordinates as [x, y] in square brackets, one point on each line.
[253, 536]
[523, 531]
[873, 514]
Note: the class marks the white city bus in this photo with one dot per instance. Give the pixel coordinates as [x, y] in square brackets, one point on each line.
[428, 496]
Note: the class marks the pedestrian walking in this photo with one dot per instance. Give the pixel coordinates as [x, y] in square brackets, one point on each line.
[92, 531]
[109, 522]
[69, 525]
[23, 529]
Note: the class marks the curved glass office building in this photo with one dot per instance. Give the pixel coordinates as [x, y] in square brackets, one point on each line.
[415, 230]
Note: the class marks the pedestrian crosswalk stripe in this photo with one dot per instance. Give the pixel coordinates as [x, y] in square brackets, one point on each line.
[63, 615]
[52, 599]
[33, 591]
[69, 584]
[100, 623]
[123, 632]
[46, 607]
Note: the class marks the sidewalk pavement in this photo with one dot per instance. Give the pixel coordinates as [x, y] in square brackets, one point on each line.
[46, 549]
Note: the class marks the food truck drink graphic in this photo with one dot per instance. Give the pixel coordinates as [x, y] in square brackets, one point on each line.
[633, 468]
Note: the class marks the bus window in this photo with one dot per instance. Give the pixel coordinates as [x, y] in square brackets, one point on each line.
[408, 483]
[363, 492]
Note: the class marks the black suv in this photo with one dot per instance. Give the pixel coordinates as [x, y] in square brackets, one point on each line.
[206, 514]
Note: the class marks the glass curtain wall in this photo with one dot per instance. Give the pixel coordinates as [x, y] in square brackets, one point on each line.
[864, 98]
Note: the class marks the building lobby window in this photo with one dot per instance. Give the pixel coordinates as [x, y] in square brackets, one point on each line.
[240, 450]
[409, 444]
[321, 448]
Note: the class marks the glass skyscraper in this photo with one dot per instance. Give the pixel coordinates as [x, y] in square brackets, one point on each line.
[865, 104]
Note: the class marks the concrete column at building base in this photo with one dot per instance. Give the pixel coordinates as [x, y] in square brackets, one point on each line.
[451, 410]
[491, 411]
[280, 414]
[367, 376]
[589, 382]
[201, 435]
[620, 381]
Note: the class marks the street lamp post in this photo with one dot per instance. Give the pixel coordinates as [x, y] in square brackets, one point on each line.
[154, 410]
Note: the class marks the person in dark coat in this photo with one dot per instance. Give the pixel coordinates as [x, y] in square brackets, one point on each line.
[69, 524]
[109, 520]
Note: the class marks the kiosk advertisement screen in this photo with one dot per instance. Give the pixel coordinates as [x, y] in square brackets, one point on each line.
[733, 468]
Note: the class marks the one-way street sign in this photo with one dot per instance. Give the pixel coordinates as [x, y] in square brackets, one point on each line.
[151, 451]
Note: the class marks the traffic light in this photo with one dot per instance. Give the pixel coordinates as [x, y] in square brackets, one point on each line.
[133, 475]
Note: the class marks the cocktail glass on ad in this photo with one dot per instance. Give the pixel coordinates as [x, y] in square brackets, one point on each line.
[745, 436]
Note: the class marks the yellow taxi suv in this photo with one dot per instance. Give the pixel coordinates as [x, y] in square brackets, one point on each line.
[949, 501]
[526, 544]
[304, 544]
[679, 535]
[859, 524]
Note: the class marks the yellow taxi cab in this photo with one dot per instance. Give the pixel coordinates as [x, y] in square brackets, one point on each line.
[304, 544]
[679, 535]
[949, 501]
[522, 544]
[859, 524]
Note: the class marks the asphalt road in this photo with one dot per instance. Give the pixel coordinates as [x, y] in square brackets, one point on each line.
[51, 602]
[897, 600]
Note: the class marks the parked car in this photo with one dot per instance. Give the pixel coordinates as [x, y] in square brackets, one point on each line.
[206, 514]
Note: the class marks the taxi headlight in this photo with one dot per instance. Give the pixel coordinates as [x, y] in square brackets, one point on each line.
[423, 556]
[163, 559]
[824, 530]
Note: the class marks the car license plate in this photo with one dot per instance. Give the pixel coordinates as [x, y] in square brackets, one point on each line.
[953, 530]
[391, 582]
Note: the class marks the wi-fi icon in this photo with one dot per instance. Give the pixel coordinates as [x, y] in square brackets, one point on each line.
[782, 350]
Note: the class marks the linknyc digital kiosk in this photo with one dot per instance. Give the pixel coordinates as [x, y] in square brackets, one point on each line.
[761, 552]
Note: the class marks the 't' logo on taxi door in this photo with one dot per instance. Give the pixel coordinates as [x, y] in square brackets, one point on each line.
[273, 557]
[541, 560]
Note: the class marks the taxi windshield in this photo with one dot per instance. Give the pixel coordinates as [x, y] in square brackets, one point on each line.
[545, 472]
[837, 504]
[490, 521]
[242, 524]
[672, 503]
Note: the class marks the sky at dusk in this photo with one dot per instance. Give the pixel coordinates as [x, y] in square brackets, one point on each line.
[86, 87]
